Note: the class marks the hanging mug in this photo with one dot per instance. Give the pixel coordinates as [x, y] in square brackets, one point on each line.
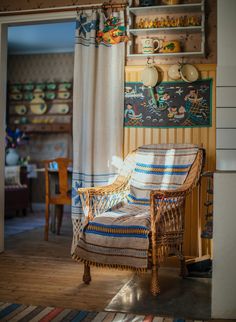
[150, 45]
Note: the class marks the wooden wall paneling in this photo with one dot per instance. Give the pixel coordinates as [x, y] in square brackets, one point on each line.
[205, 137]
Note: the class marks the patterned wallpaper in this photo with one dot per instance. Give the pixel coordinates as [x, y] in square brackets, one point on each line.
[211, 18]
[40, 67]
[10, 5]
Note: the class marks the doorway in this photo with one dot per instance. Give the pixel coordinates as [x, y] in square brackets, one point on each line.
[7, 25]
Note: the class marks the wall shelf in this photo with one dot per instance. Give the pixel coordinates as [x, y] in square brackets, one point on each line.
[187, 46]
[56, 117]
[145, 11]
[180, 54]
[149, 31]
[43, 128]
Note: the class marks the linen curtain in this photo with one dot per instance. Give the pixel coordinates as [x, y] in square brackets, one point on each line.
[98, 100]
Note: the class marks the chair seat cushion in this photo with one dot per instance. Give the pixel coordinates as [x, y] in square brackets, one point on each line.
[117, 238]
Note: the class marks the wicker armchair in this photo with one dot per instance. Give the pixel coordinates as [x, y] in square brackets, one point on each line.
[165, 213]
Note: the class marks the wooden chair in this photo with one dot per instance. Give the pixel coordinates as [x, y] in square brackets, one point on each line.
[61, 195]
[152, 240]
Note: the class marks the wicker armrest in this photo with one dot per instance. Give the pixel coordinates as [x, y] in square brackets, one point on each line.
[160, 194]
[97, 200]
[166, 204]
[117, 186]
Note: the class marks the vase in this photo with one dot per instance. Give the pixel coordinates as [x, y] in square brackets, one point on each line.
[12, 157]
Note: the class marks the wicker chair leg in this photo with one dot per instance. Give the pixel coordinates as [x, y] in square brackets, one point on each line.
[183, 267]
[155, 286]
[86, 276]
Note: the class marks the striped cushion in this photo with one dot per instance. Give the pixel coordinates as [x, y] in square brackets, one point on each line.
[117, 238]
[160, 167]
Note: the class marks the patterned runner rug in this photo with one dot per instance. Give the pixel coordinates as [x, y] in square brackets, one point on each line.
[24, 313]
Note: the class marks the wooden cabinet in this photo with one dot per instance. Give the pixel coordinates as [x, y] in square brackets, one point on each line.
[182, 22]
[43, 128]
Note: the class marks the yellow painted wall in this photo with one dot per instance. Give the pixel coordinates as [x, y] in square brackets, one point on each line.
[205, 137]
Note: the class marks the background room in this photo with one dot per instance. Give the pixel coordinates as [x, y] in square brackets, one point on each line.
[38, 115]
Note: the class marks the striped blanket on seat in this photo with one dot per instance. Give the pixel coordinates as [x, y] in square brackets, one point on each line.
[119, 237]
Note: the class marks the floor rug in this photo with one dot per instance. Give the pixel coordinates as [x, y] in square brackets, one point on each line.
[21, 224]
[24, 313]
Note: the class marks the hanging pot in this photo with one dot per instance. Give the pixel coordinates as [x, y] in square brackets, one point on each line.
[149, 76]
[173, 72]
[189, 73]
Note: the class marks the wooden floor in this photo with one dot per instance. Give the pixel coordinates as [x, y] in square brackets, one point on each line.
[36, 272]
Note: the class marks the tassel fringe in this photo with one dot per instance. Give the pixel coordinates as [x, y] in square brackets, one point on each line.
[110, 266]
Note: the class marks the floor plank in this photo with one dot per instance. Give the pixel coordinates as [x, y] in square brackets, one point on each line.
[36, 272]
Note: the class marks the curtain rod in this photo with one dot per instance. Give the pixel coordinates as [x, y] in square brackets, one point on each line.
[104, 5]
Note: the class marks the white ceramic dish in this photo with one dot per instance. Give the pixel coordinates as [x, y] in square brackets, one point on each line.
[189, 73]
[63, 94]
[64, 86]
[16, 95]
[59, 109]
[20, 109]
[38, 106]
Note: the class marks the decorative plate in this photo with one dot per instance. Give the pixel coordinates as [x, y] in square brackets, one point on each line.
[28, 96]
[20, 109]
[63, 95]
[16, 95]
[51, 86]
[59, 109]
[50, 95]
[64, 86]
[28, 87]
[39, 93]
[38, 106]
[14, 87]
[40, 86]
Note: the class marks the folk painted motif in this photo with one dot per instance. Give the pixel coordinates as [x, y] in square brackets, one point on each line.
[170, 104]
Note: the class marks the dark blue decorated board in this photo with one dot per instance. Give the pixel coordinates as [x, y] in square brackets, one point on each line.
[170, 104]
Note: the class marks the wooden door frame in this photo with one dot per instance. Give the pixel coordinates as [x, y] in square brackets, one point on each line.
[6, 21]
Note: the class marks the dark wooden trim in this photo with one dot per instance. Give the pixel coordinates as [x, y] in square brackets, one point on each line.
[64, 9]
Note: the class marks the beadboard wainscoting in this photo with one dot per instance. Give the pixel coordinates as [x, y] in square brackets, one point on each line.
[205, 137]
